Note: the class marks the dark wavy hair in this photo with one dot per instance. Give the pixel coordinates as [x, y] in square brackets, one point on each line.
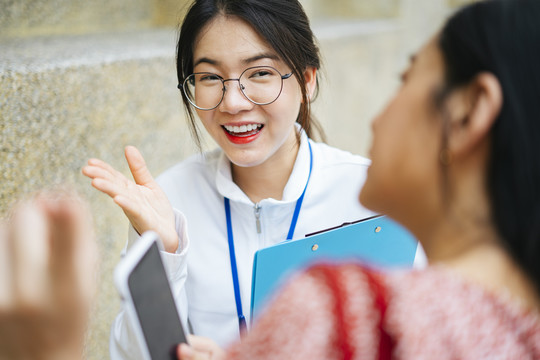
[502, 37]
[283, 24]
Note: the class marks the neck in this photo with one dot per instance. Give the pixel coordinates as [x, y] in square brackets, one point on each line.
[267, 180]
[462, 236]
[490, 266]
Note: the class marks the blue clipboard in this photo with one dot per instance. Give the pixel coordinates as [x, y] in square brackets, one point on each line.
[377, 240]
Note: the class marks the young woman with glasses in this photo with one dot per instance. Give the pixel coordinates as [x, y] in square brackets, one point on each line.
[248, 69]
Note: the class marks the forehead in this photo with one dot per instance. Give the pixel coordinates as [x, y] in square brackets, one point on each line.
[229, 40]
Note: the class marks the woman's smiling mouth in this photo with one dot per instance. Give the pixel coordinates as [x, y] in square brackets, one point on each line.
[243, 130]
[242, 134]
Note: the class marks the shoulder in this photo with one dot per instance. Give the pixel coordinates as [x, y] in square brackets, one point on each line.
[329, 157]
[422, 300]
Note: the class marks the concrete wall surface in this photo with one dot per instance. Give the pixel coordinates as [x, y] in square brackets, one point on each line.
[81, 79]
[40, 17]
[65, 100]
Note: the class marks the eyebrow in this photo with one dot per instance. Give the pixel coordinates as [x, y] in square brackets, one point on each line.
[259, 57]
[246, 61]
[205, 60]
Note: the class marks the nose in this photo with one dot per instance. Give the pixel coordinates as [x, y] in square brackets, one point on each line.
[234, 100]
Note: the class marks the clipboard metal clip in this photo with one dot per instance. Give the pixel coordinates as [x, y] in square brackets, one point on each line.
[377, 229]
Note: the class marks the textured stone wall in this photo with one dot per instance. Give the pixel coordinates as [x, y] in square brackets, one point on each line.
[38, 17]
[358, 75]
[363, 60]
[457, 3]
[352, 9]
[63, 101]
[45, 17]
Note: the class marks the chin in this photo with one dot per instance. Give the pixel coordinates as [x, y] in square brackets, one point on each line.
[245, 162]
[248, 157]
[368, 197]
[362, 197]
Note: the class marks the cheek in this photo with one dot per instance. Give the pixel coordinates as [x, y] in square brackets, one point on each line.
[398, 176]
[207, 119]
[203, 115]
[379, 184]
[291, 96]
[286, 108]
[404, 160]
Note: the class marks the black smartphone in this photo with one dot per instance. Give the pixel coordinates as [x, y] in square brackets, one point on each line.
[146, 293]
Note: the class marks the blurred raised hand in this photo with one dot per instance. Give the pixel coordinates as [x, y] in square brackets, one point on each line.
[47, 277]
[142, 200]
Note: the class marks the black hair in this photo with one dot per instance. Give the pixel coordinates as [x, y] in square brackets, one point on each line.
[283, 24]
[502, 37]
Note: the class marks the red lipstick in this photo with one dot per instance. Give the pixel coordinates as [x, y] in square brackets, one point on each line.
[243, 138]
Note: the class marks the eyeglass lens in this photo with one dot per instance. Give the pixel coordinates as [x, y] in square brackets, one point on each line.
[261, 85]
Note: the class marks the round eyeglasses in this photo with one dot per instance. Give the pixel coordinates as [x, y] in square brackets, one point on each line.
[261, 85]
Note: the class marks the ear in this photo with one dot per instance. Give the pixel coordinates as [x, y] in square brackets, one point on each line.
[310, 74]
[473, 110]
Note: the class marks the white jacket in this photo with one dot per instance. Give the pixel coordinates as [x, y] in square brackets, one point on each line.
[196, 189]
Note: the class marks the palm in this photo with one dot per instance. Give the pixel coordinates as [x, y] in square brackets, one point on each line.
[142, 200]
[147, 208]
[48, 253]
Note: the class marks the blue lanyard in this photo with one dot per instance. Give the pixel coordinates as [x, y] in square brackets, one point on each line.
[232, 255]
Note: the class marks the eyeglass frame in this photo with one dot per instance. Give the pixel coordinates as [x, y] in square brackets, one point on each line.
[223, 81]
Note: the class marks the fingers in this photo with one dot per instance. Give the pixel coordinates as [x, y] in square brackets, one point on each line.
[96, 165]
[98, 172]
[29, 248]
[201, 348]
[50, 251]
[6, 277]
[137, 166]
[41, 306]
[111, 188]
[202, 343]
[105, 178]
[186, 352]
[73, 254]
[86, 251]
[97, 169]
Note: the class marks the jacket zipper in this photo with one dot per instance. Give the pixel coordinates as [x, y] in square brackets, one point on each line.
[257, 211]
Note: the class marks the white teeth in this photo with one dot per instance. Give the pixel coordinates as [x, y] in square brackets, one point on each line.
[243, 128]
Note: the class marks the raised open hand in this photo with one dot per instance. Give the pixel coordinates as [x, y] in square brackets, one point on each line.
[142, 200]
[47, 278]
